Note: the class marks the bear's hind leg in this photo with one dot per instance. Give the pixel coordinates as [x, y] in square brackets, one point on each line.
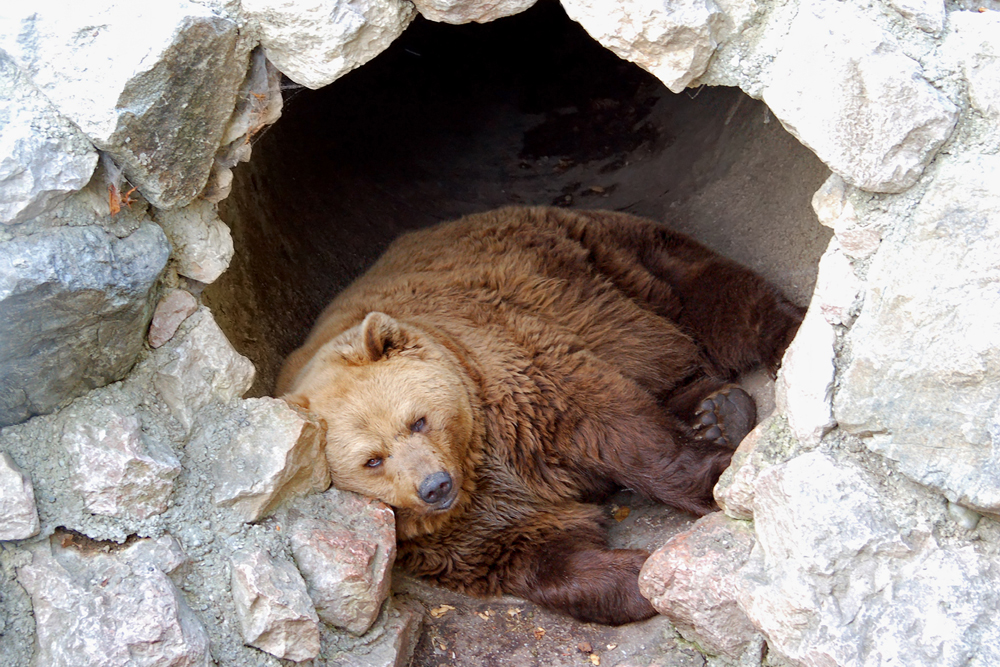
[584, 579]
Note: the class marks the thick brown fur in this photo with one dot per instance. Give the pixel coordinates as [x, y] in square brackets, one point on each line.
[492, 377]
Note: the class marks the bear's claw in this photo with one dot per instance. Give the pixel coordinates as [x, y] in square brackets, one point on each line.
[725, 416]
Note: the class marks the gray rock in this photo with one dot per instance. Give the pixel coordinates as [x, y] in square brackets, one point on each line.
[199, 366]
[158, 105]
[202, 243]
[275, 611]
[315, 42]
[845, 89]
[18, 514]
[390, 643]
[76, 302]
[692, 581]
[276, 454]
[43, 158]
[836, 580]
[929, 330]
[345, 546]
[101, 607]
[672, 41]
[115, 470]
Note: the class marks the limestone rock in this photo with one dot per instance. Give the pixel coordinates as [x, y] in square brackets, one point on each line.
[928, 15]
[390, 643]
[276, 454]
[466, 11]
[804, 389]
[202, 243]
[857, 240]
[691, 580]
[100, 607]
[929, 329]
[258, 105]
[769, 443]
[345, 547]
[845, 89]
[837, 287]
[115, 470]
[43, 158]
[275, 611]
[18, 514]
[974, 39]
[835, 580]
[672, 40]
[175, 307]
[315, 42]
[76, 302]
[158, 104]
[198, 367]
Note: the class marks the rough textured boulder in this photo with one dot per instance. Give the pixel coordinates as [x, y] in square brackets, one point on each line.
[275, 454]
[836, 63]
[673, 41]
[275, 611]
[109, 609]
[315, 42]
[345, 546]
[692, 581]
[60, 291]
[158, 105]
[43, 157]
[843, 573]
[928, 330]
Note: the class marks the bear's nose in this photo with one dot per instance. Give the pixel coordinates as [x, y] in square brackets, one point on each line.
[435, 487]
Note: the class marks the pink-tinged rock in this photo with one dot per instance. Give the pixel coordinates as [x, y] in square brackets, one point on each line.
[345, 557]
[276, 614]
[18, 514]
[691, 581]
[98, 605]
[175, 307]
[276, 454]
[116, 469]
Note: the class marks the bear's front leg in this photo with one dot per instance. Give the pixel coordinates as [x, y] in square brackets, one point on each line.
[583, 579]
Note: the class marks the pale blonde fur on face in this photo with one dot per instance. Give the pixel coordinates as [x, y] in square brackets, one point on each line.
[371, 407]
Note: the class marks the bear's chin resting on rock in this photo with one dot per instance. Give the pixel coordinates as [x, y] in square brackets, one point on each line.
[491, 378]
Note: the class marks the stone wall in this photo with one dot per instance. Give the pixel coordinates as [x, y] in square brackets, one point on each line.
[150, 515]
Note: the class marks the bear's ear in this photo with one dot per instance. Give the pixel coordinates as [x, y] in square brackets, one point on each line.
[381, 335]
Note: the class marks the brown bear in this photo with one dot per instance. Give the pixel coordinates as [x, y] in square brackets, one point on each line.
[493, 377]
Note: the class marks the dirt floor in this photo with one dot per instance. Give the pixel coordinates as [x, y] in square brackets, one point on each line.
[458, 119]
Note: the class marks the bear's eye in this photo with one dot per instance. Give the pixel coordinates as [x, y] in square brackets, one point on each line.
[419, 425]
[373, 462]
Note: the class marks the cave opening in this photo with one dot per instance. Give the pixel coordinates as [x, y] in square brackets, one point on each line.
[452, 120]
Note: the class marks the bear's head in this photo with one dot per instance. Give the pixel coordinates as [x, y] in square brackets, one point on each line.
[400, 417]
